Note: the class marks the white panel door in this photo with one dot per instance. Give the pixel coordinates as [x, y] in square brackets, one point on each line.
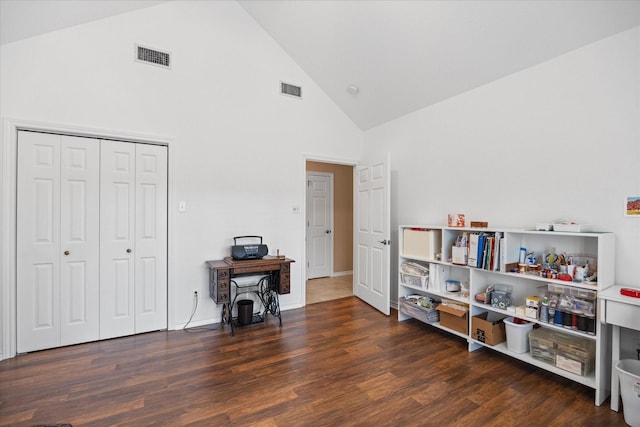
[38, 241]
[80, 240]
[373, 210]
[151, 238]
[319, 225]
[57, 240]
[117, 235]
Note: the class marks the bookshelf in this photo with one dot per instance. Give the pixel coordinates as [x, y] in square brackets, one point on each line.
[498, 263]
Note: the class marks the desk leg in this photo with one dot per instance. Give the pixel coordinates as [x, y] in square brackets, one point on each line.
[615, 357]
[225, 313]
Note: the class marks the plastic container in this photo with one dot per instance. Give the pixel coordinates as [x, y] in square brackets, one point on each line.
[415, 281]
[517, 335]
[629, 373]
[245, 312]
[412, 307]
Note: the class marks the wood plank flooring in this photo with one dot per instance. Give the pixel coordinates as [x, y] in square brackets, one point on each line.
[331, 364]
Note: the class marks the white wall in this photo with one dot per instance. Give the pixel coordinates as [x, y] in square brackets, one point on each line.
[237, 147]
[558, 140]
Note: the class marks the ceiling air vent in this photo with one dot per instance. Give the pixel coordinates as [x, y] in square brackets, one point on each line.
[153, 56]
[290, 90]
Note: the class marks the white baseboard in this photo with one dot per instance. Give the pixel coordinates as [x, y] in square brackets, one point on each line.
[341, 273]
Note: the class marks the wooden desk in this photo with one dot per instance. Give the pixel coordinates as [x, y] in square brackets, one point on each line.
[619, 311]
[222, 272]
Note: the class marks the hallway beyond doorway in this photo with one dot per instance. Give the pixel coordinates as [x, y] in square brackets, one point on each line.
[329, 288]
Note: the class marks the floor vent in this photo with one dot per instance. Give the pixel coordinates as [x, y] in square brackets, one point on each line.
[290, 90]
[153, 56]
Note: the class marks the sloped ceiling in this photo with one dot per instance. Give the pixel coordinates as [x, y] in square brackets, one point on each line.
[401, 55]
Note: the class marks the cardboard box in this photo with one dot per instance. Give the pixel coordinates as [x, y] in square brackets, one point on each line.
[488, 328]
[421, 243]
[532, 301]
[531, 312]
[455, 319]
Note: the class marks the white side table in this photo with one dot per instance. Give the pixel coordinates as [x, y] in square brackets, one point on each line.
[618, 311]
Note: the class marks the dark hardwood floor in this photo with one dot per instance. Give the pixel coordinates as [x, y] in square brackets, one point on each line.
[333, 363]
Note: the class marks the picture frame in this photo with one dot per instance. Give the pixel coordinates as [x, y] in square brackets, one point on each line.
[632, 207]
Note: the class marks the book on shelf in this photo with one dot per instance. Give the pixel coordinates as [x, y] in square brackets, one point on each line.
[485, 250]
[472, 259]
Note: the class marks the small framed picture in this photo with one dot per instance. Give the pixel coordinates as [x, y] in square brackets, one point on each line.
[455, 220]
[632, 206]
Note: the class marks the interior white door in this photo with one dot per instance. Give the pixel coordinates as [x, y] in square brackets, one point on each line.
[117, 236]
[372, 257]
[80, 240]
[57, 240]
[319, 224]
[151, 238]
[38, 242]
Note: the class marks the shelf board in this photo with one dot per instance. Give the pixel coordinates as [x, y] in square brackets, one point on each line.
[448, 295]
[581, 285]
[589, 380]
[419, 258]
[406, 315]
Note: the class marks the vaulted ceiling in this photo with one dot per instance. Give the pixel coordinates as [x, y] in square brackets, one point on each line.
[379, 60]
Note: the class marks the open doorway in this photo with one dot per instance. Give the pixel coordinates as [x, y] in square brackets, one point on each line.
[329, 278]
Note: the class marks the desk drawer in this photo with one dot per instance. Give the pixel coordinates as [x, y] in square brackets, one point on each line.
[621, 314]
[219, 286]
[284, 285]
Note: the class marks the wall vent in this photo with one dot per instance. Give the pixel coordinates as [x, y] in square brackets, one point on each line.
[153, 56]
[290, 90]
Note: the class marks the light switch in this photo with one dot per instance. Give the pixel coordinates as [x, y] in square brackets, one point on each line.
[182, 206]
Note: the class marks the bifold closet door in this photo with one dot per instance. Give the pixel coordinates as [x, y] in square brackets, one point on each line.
[151, 238]
[57, 240]
[133, 242]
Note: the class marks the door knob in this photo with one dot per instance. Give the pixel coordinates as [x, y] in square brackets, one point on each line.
[67, 252]
[128, 251]
[328, 231]
[385, 242]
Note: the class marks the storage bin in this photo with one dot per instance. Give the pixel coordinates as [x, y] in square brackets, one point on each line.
[501, 296]
[413, 280]
[568, 352]
[542, 345]
[410, 307]
[517, 335]
[573, 228]
[629, 374]
[421, 243]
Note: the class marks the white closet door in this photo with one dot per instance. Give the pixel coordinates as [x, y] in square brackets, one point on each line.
[80, 240]
[57, 238]
[117, 209]
[38, 242]
[151, 238]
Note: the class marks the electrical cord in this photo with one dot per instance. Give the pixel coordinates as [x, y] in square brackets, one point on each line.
[193, 312]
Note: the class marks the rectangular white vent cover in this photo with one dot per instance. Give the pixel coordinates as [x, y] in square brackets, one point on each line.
[153, 56]
[291, 90]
